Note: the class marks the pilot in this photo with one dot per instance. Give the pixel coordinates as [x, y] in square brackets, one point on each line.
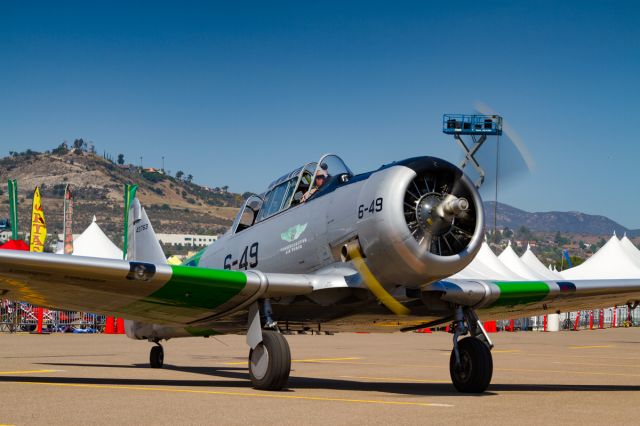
[320, 179]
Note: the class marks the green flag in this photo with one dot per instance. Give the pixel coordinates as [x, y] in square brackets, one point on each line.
[13, 207]
[129, 195]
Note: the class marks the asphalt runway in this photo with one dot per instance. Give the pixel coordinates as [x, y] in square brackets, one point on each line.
[345, 379]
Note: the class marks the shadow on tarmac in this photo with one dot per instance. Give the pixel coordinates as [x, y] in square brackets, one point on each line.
[241, 381]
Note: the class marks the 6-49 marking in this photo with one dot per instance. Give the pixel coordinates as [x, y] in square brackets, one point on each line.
[375, 206]
[248, 259]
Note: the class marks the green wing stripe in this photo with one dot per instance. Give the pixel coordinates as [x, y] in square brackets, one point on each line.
[521, 292]
[200, 287]
[190, 291]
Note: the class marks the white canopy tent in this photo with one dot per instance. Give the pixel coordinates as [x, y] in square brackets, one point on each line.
[612, 261]
[534, 264]
[486, 265]
[94, 243]
[511, 260]
[630, 249]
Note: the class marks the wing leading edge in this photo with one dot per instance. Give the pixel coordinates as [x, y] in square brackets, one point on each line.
[162, 294]
[508, 299]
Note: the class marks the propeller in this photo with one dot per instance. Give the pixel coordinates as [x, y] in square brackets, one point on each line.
[505, 159]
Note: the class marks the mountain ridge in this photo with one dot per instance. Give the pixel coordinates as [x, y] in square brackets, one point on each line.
[178, 205]
[573, 222]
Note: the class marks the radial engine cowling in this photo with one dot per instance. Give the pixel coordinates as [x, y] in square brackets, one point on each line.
[428, 225]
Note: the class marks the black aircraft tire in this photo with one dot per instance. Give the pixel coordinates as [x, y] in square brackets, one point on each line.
[156, 357]
[273, 374]
[476, 370]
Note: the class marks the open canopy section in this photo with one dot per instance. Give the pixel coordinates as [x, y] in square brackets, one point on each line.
[307, 182]
[93, 242]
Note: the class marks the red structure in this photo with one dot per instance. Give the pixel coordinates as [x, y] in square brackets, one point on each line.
[15, 245]
[120, 326]
[490, 326]
[109, 326]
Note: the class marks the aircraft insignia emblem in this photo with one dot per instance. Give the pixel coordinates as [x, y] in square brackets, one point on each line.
[293, 233]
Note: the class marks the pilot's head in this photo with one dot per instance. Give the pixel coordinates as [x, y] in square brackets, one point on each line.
[320, 180]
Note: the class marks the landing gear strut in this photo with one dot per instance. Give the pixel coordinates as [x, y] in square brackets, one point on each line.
[156, 356]
[471, 364]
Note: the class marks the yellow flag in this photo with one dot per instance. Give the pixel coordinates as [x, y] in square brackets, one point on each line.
[38, 226]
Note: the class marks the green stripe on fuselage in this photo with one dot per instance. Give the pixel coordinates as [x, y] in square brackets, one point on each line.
[521, 292]
[189, 293]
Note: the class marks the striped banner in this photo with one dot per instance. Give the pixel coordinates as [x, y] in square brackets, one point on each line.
[13, 207]
[129, 195]
[68, 220]
[38, 225]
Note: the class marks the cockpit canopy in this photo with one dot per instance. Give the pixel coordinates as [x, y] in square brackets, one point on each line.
[299, 186]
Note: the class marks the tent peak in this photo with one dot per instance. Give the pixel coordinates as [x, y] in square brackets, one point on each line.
[94, 218]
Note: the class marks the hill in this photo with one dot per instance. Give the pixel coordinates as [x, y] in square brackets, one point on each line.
[176, 205]
[179, 205]
[566, 222]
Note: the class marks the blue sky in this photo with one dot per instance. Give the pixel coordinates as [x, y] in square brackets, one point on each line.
[238, 93]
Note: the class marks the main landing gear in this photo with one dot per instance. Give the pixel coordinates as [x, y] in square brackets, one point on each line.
[471, 364]
[269, 356]
[270, 362]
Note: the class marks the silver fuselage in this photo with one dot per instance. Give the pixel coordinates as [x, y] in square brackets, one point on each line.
[309, 237]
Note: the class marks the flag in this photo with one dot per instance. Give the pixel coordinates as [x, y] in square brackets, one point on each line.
[13, 207]
[129, 195]
[38, 226]
[565, 253]
[68, 220]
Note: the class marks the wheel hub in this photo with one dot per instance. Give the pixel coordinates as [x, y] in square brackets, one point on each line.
[259, 361]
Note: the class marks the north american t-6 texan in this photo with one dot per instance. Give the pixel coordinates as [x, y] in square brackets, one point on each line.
[321, 248]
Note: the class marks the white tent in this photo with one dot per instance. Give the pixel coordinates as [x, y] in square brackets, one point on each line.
[513, 262]
[94, 243]
[612, 261]
[630, 249]
[486, 265]
[533, 263]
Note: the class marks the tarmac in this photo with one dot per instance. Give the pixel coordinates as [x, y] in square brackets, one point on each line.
[344, 379]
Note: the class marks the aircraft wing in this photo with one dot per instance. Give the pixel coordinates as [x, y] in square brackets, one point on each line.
[156, 293]
[512, 299]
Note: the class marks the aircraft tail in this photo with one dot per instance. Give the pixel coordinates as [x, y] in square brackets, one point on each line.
[143, 246]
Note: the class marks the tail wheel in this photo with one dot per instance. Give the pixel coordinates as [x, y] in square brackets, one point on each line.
[156, 357]
[473, 375]
[270, 362]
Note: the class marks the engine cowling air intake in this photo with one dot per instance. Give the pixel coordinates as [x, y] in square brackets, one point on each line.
[431, 226]
[438, 212]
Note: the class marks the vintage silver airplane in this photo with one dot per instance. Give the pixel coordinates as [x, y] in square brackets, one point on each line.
[324, 249]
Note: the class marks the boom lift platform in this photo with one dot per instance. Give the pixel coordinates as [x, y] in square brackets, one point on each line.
[478, 127]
